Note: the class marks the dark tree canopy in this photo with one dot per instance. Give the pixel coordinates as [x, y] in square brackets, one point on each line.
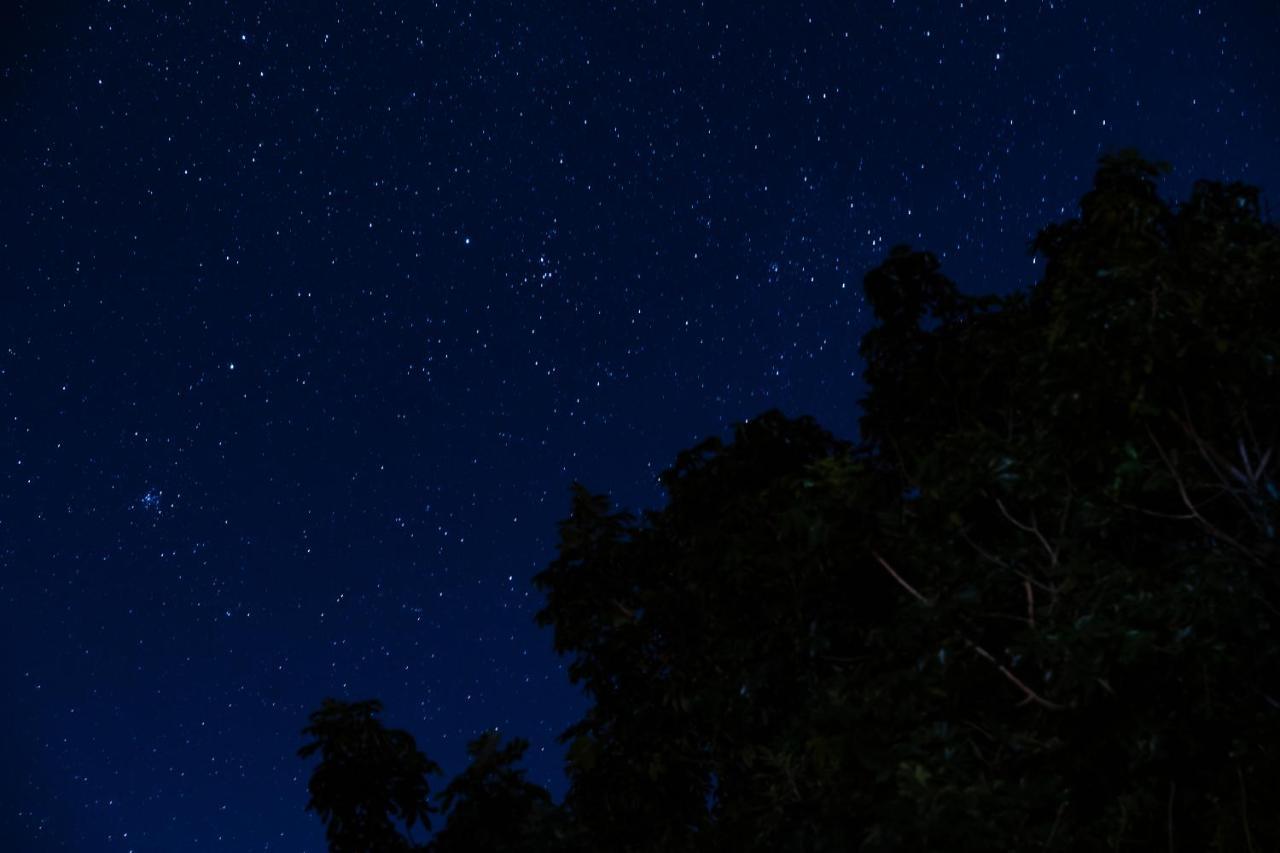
[370, 781]
[490, 806]
[1034, 607]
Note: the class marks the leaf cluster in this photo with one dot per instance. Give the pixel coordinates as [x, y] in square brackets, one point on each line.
[371, 781]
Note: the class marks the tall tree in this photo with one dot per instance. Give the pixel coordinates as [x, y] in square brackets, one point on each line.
[1035, 607]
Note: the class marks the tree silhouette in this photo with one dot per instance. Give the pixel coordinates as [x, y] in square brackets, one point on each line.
[490, 806]
[1033, 608]
[370, 781]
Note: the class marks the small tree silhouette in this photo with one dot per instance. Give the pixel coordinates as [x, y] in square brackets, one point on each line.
[370, 781]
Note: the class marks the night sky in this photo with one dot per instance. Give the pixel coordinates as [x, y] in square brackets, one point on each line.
[311, 314]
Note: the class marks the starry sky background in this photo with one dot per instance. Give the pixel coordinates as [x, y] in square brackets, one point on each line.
[310, 313]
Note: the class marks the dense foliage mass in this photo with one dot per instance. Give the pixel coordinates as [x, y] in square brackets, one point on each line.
[371, 781]
[1033, 608]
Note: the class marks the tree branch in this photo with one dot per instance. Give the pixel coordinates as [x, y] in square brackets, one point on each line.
[901, 582]
[1031, 603]
[1031, 695]
[1213, 529]
[1033, 529]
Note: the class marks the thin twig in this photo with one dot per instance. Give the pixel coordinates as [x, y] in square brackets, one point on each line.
[1244, 810]
[1253, 472]
[1053, 830]
[1034, 529]
[1186, 500]
[1066, 510]
[985, 554]
[1031, 695]
[982, 551]
[627, 612]
[1216, 461]
[991, 614]
[901, 582]
[840, 659]
[1185, 516]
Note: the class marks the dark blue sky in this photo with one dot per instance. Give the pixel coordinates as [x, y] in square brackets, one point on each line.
[310, 313]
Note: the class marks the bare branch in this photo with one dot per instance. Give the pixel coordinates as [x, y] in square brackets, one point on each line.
[1244, 809]
[1216, 462]
[1033, 529]
[983, 552]
[901, 582]
[1184, 516]
[1031, 695]
[1053, 830]
[1252, 474]
[1031, 603]
[1186, 500]
[1066, 510]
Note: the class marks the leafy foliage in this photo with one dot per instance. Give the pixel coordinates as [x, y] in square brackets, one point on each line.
[1034, 607]
[370, 779]
[490, 806]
